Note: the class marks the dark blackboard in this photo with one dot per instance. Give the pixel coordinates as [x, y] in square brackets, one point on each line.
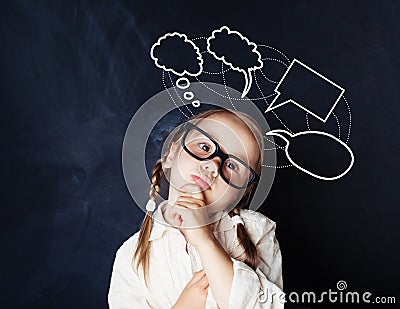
[74, 72]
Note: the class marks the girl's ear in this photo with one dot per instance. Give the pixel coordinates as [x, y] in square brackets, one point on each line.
[171, 155]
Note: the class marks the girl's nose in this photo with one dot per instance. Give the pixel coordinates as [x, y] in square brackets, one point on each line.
[210, 167]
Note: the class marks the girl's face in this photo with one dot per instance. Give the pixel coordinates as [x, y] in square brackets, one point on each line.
[234, 138]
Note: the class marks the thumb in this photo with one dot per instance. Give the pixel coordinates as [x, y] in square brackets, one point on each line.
[197, 276]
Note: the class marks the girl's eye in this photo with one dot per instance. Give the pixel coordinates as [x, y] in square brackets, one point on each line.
[231, 166]
[204, 147]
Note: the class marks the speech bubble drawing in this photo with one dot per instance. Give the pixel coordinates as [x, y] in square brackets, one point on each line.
[307, 89]
[168, 46]
[297, 140]
[224, 43]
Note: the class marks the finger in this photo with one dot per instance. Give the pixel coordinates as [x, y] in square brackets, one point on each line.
[187, 210]
[177, 210]
[188, 205]
[203, 282]
[190, 199]
[192, 216]
[175, 217]
[199, 195]
[197, 276]
[178, 221]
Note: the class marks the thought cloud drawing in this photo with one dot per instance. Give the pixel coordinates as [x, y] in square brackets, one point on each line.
[236, 51]
[164, 53]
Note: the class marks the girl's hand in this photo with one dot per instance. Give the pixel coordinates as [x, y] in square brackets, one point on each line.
[194, 295]
[191, 217]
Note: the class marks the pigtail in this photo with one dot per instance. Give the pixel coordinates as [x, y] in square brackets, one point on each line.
[250, 250]
[142, 252]
[250, 255]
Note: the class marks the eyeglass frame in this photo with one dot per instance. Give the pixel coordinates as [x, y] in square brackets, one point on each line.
[218, 153]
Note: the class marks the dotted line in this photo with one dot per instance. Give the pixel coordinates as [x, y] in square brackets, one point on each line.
[308, 125]
[274, 49]
[278, 146]
[165, 86]
[282, 166]
[277, 60]
[348, 109]
[199, 38]
[338, 124]
[259, 89]
[282, 122]
[272, 59]
[269, 80]
[217, 73]
[226, 88]
[183, 102]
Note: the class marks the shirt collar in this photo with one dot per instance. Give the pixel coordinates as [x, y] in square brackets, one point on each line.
[160, 225]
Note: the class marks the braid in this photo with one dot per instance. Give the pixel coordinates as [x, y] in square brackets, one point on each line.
[156, 176]
[250, 250]
[143, 248]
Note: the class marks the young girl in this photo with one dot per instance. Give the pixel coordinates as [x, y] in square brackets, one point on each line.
[203, 247]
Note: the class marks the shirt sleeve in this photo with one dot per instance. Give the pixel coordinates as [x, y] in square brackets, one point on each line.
[126, 290]
[261, 288]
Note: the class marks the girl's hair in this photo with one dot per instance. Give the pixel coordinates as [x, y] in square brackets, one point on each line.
[250, 255]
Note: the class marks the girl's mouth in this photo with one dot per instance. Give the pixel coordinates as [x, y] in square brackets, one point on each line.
[200, 182]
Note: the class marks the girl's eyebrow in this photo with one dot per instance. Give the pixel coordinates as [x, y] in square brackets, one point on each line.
[240, 156]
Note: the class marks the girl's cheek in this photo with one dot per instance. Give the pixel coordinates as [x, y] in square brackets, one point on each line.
[221, 194]
[184, 166]
[184, 160]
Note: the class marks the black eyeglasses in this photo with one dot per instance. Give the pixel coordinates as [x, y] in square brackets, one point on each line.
[234, 171]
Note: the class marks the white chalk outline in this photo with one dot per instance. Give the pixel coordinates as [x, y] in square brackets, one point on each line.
[247, 74]
[184, 36]
[271, 106]
[276, 133]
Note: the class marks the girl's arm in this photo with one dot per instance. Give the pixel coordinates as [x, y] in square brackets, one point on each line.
[219, 270]
[233, 283]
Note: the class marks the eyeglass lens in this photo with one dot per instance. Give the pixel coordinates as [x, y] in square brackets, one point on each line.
[202, 147]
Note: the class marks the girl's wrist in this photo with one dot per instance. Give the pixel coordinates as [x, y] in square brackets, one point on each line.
[207, 244]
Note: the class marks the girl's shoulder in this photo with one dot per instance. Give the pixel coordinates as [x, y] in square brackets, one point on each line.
[129, 245]
[257, 223]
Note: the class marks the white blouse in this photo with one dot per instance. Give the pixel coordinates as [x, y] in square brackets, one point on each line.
[171, 266]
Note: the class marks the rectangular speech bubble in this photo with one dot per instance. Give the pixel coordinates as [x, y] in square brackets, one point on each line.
[307, 89]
